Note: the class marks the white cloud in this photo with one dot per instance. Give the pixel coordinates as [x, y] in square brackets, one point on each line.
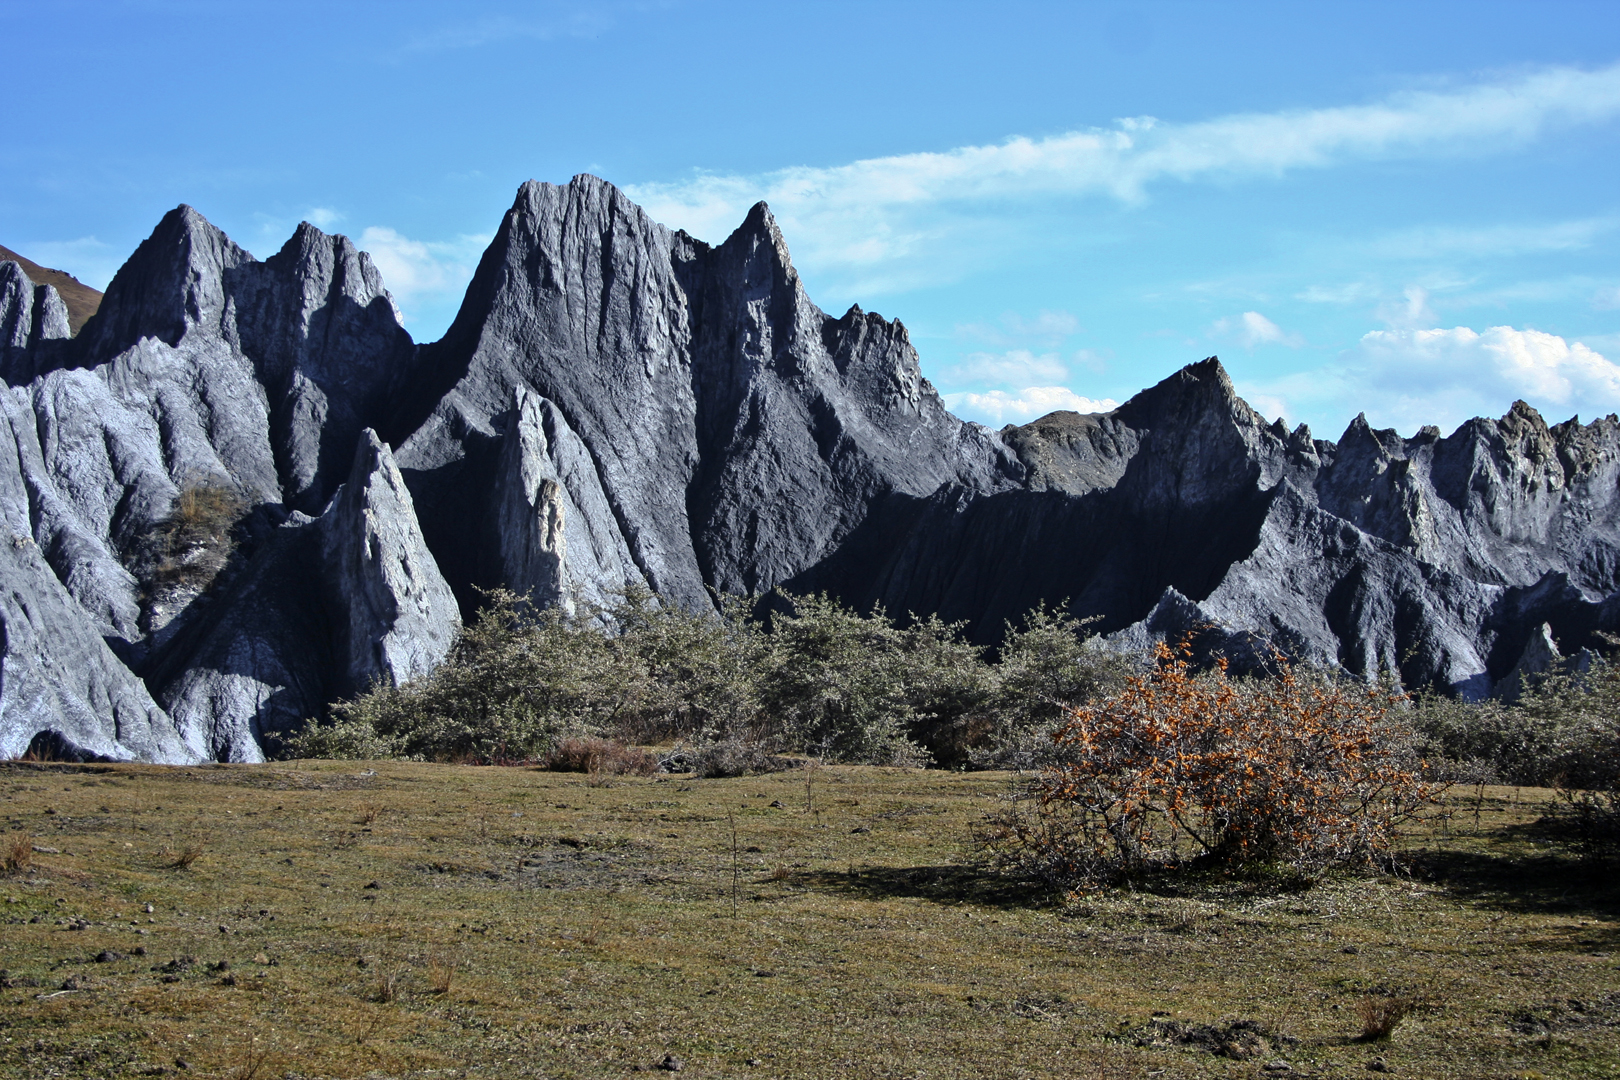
[858, 216]
[1259, 330]
[90, 260]
[1501, 362]
[1406, 378]
[1491, 241]
[1414, 312]
[324, 217]
[999, 407]
[1253, 328]
[1019, 366]
[423, 274]
[1048, 328]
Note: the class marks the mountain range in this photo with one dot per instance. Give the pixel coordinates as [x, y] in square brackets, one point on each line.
[239, 490]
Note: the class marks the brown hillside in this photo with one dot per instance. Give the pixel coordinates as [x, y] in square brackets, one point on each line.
[81, 300]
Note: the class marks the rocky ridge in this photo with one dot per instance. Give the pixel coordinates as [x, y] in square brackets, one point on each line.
[619, 403]
[80, 299]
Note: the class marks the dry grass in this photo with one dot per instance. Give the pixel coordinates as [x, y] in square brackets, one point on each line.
[441, 974]
[183, 857]
[599, 758]
[188, 549]
[1381, 1014]
[536, 926]
[19, 853]
[389, 985]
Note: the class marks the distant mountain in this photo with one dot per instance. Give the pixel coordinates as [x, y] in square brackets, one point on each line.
[620, 403]
[81, 300]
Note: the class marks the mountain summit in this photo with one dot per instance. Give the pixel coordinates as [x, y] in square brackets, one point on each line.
[617, 403]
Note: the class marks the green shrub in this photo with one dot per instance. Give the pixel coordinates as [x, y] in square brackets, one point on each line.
[1562, 732]
[685, 674]
[518, 680]
[839, 685]
[514, 681]
[1047, 666]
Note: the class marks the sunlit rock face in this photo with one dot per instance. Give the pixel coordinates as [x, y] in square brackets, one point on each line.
[618, 404]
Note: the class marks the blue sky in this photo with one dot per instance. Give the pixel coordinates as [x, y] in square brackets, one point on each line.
[1404, 209]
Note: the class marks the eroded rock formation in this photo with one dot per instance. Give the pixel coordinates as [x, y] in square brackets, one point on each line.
[618, 404]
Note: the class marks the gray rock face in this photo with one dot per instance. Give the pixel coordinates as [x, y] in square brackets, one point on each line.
[737, 432]
[402, 616]
[325, 607]
[326, 344]
[205, 367]
[1431, 557]
[556, 537]
[30, 316]
[259, 658]
[58, 680]
[617, 404]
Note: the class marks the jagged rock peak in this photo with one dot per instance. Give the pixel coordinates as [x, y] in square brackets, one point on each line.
[29, 314]
[759, 230]
[80, 299]
[401, 615]
[1201, 389]
[173, 282]
[317, 256]
[618, 403]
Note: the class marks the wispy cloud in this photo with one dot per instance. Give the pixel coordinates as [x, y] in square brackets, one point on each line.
[324, 217]
[1017, 367]
[1349, 292]
[423, 274]
[882, 211]
[1406, 378]
[998, 407]
[1252, 328]
[92, 261]
[1498, 241]
[1412, 312]
[1047, 328]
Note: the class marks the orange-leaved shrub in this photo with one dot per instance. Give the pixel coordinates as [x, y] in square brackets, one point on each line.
[1185, 768]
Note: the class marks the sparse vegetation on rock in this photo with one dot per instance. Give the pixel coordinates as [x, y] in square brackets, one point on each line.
[182, 554]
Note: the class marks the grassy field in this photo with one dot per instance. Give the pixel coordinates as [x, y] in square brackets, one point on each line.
[316, 919]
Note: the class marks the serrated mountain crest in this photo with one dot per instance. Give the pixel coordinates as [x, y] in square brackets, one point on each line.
[620, 404]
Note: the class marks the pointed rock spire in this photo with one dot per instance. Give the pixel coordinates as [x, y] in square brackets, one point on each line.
[401, 615]
[173, 282]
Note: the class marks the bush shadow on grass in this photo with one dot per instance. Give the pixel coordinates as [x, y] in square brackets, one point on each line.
[1556, 882]
[954, 884]
[939, 884]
